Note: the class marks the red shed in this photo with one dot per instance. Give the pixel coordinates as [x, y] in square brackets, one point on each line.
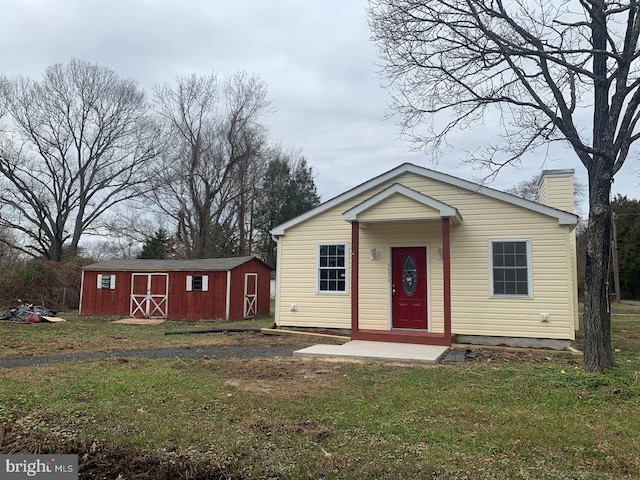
[212, 288]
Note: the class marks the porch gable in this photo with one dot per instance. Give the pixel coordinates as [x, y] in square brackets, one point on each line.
[397, 203]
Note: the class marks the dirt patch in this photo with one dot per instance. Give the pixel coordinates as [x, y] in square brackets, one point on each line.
[278, 378]
[275, 369]
[99, 461]
[525, 355]
[140, 321]
[268, 427]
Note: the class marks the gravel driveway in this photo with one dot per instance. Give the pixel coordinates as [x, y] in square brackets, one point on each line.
[239, 351]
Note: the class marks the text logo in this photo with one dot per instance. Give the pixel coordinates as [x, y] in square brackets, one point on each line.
[43, 467]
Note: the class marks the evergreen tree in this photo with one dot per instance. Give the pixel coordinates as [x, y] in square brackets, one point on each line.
[158, 246]
[288, 190]
[303, 194]
[627, 218]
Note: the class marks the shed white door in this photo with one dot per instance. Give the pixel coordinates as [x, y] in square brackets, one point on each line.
[149, 292]
[250, 294]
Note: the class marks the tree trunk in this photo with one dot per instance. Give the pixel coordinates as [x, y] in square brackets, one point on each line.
[598, 353]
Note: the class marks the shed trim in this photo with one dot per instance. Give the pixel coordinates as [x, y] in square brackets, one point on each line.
[228, 297]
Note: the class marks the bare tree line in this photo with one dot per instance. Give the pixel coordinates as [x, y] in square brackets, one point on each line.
[84, 152]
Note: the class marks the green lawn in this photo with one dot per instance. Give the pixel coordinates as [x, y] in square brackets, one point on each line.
[541, 417]
[86, 334]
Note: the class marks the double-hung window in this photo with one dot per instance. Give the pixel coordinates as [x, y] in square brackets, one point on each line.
[510, 268]
[332, 268]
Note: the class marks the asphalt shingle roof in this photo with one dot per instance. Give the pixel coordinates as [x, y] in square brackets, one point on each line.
[142, 265]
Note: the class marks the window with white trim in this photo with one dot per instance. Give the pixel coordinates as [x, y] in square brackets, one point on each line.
[106, 281]
[332, 268]
[510, 268]
[197, 283]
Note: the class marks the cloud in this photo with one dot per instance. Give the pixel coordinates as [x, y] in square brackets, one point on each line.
[316, 58]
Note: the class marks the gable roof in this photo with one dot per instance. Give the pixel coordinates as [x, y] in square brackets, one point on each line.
[144, 265]
[443, 209]
[564, 218]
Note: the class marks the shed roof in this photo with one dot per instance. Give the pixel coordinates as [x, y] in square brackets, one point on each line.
[143, 265]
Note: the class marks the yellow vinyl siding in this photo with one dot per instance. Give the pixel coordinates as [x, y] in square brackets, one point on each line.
[474, 311]
[297, 274]
[557, 192]
[398, 207]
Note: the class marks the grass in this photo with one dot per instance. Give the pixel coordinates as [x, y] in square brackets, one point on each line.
[530, 416]
[87, 334]
[625, 308]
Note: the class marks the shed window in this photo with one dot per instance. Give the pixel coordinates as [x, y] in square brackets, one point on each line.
[332, 268]
[510, 268]
[106, 281]
[197, 283]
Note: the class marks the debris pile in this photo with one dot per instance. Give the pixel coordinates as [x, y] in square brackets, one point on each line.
[459, 355]
[27, 313]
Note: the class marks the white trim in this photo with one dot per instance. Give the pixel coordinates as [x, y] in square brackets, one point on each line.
[276, 316]
[529, 268]
[148, 304]
[112, 281]
[250, 303]
[228, 297]
[390, 278]
[347, 260]
[81, 292]
[204, 284]
[444, 210]
[564, 218]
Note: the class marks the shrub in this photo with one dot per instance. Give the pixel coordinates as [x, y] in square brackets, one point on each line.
[54, 285]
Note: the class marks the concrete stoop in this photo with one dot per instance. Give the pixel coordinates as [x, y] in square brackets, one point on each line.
[382, 351]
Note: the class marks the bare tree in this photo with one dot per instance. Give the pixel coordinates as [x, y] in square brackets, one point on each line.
[214, 140]
[550, 71]
[78, 142]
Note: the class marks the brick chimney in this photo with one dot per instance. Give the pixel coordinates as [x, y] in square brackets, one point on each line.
[555, 189]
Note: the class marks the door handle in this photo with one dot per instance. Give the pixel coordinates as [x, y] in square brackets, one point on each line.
[393, 290]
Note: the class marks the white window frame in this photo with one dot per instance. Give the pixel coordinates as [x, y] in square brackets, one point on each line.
[112, 281]
[346, 268]
[527, 243]
[205, 283]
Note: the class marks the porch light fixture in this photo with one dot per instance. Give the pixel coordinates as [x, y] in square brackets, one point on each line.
[439, 253]
[374, 253]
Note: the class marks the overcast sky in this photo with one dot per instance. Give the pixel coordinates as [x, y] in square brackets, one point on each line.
[315, 56]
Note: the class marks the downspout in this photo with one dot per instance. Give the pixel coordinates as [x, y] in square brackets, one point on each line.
[228, 300]
[355, 248]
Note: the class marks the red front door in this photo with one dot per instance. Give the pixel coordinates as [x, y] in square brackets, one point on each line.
[409, 287]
